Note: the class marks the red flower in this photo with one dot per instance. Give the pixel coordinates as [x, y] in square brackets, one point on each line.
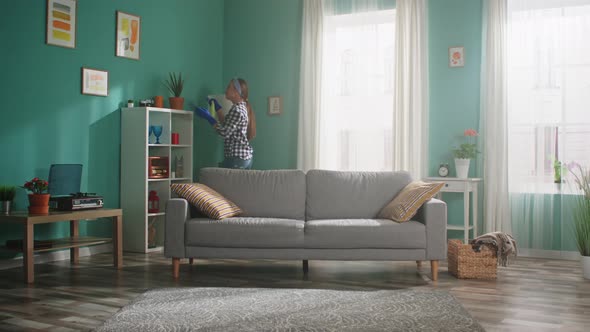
[470, 132]
[35, 179]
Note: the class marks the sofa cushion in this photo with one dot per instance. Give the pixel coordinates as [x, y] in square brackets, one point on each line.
[355, 195]
[364, 234]
[405, 205]
[245, 232]
[206, 200]
[269, 194]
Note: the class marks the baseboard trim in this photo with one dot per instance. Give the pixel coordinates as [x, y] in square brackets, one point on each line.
[550, 254]
[56, 256]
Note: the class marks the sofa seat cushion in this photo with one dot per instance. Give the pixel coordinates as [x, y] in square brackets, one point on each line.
[364, 233]
[245, 232]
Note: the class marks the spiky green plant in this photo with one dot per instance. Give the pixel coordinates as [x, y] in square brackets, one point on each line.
[175, 84]
[582, 210]
[7, 193]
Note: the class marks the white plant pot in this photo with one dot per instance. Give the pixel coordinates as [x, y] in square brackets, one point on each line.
[586, 267]
[462, 167]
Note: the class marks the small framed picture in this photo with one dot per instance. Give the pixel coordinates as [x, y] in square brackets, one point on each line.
[128, 35]
[275, 105]
[95, 82]
[456, 56]
[61, 23]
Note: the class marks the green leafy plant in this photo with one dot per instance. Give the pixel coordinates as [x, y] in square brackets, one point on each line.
[582, 209]
[467, 150]
[7, 193]
[175, 84]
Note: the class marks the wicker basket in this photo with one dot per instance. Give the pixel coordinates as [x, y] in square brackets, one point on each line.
[464, 263]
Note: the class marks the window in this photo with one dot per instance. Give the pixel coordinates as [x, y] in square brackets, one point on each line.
[357, 98]
[548, 90]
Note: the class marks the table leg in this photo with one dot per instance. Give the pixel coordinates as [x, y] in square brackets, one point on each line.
[118, 241]
[466, 215]
[475, 212]
[28, 259]
[74, 232]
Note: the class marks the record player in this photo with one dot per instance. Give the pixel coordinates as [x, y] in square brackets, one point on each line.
[76, 201]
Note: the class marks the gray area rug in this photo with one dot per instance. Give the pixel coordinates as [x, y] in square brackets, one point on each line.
[264, 309]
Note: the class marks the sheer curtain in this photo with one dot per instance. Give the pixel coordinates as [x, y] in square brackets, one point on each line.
[410, 123]
[355, 121]
[493, 119]
[548, 79]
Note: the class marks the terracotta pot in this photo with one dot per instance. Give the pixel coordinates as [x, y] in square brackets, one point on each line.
[159, 101]
[176, 103]
[39, 203]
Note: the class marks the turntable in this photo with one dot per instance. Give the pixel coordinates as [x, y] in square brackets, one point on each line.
[76, 201]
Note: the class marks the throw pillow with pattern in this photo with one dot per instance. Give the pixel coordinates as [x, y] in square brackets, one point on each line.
[405, 205]
[208, 201]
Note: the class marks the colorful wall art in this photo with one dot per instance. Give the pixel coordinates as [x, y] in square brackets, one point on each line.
[128, 31]
[95, 82]
[61, 23]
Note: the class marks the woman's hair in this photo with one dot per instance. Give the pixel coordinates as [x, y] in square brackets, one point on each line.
[251, 133]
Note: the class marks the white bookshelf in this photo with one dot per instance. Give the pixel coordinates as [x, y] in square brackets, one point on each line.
[135, 184]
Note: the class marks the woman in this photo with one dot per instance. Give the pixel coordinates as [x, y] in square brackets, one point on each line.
[237, 127]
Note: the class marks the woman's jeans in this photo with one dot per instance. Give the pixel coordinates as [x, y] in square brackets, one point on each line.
[235, 162]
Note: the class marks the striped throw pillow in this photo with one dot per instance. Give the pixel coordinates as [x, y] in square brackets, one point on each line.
[208, 201]
[405, 205]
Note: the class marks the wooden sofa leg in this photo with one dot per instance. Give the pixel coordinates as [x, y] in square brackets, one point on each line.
[419, 264]
[190, 261]
[305, 266]
[434, 268]
[175, 267]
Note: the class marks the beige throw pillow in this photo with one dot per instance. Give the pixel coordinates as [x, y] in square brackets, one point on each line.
[208, 201]
[405, 205]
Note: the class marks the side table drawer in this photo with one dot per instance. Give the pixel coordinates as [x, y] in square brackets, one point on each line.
[454, 186]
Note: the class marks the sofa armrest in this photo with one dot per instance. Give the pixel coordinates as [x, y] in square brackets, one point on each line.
[433, 214]
[177, 213]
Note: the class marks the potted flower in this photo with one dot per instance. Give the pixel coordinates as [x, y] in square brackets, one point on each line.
[175, 84]
[465, 152]
[7, 194]
[38, 199]
[582, 215]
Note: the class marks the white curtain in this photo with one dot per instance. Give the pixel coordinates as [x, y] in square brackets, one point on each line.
[310, 85]
[493, 119]
[548, 116]
[410, 123]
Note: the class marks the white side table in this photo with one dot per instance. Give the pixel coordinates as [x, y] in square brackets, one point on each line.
[465, 186]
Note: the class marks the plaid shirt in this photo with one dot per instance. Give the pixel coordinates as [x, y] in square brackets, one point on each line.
[234, 131]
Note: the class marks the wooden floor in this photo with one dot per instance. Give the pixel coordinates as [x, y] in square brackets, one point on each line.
[529, 295]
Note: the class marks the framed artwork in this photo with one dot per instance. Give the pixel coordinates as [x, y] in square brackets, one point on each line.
[128, 35]
[456, 56]
[275, 105]
[61, 23]
[95, 82]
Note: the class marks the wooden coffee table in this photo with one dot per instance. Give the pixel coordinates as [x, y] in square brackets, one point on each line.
[74, 242]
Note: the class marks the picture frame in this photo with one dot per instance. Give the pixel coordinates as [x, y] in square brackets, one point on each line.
[275, 105]
[95, 82]
[60, 29]
[128, 36]
[456, 56]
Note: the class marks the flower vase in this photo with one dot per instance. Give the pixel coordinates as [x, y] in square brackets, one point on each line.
[462, 167]
[39, 203]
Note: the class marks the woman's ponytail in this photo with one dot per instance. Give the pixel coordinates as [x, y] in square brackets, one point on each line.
[251, 132]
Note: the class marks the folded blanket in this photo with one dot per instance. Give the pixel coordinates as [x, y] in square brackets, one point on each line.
[503, 243]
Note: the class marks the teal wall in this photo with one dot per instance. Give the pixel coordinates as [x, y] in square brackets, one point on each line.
[45, 118]
[454, 92]
[262, 44]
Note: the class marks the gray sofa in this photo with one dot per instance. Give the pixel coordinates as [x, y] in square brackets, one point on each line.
[321, 215]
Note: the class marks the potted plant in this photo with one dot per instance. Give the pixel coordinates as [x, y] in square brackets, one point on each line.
[7, 194]
[464, 153]
[175, 84]
[130, 103]
[582, 215]
[38, 198]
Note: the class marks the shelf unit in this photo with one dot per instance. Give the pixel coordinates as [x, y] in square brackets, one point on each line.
[135, 184]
